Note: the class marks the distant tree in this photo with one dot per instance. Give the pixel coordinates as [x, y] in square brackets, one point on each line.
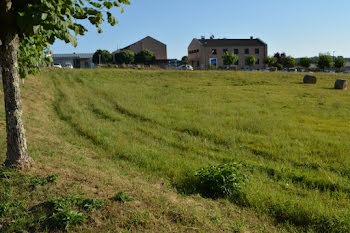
[279, 66]
[184, 60]
[289, 62]
[250, 60]
[339, 63]
[280, 57]
[102, 56]
[145, 57]
[305, 62]
[270, 61]
[324, 61]
[229, 58]
[125, 57]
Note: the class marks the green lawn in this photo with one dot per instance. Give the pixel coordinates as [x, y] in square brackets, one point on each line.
[162, 126]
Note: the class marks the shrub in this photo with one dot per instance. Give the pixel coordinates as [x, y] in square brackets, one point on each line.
[125, 57]
[222, 181]
[102, 57]
[145, 57]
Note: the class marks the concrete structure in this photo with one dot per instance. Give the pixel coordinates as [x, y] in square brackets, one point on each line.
[158, 48]
[347, 66]
[205, 52]
[78, 60]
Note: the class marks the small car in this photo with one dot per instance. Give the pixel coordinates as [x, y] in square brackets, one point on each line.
[185, 67]
[56, 65]
[68, 66]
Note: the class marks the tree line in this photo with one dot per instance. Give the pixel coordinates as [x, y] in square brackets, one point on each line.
[323, 61]
[145, 57]
[281, 60]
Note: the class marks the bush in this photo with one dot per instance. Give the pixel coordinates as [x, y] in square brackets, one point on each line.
[125, 57]
[102, 57]
[145, 57]
[222, 181]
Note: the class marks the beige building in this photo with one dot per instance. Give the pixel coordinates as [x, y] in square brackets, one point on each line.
[148, 43]
[203, 53]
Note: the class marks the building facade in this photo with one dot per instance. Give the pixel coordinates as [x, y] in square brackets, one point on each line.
[207, 53]
[78, 60]
[148, 43]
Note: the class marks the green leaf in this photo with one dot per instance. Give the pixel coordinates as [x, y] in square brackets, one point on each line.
[111, 19]
[108, 5]
[36, 29]
[95, 4]
[43, 16]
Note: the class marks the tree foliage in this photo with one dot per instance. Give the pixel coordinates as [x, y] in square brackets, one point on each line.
[250, 60]
[280, 57]
[31, 53]
[40, 23]
[145, 57]
[339, 63]
[184, 59]
[102, 57]
[324, 61]
[229, 58]
[305, 62]
[125, 57]
[270, 61]
[289, 62]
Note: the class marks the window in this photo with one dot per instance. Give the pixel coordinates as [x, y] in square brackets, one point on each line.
[237, 63]
[236, 51]
[212, 63]
[257, 51]
[225, 50]
[213, 51]
[197, 63]
[257, 61]
[193, 51]
[246, 51]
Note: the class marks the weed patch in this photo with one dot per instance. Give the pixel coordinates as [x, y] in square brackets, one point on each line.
[122, 197]
[37, 181]
[222, 181]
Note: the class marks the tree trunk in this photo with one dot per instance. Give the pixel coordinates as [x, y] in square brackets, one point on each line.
[17, 153]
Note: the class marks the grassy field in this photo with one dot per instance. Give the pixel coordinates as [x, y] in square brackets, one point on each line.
[146, 133]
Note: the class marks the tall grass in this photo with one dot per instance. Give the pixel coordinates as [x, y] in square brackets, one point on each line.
[292, 139]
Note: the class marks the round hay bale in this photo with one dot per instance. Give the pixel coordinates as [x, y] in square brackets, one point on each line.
[310, 79]
[342, 84]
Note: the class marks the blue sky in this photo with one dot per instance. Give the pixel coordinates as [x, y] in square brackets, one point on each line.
[297, 27]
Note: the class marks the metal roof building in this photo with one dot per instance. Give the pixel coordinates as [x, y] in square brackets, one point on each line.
[78, 60]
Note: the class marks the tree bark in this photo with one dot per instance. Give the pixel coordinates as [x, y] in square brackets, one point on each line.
[17, 153]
